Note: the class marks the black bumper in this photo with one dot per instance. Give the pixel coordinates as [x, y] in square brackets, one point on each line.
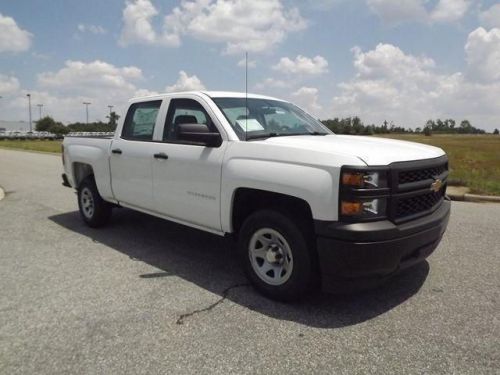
[355, 256]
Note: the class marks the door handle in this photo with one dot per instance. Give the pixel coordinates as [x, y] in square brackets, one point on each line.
[161, 155]
[116, 151]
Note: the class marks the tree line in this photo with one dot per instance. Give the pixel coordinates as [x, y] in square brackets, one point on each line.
[354, 125]
[48, 124]
[348, 125]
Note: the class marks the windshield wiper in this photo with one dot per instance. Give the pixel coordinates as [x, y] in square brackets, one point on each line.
[309, 133]
[260, 136]
[270, 135]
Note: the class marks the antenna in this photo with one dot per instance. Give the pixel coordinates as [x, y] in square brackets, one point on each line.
[246, 94]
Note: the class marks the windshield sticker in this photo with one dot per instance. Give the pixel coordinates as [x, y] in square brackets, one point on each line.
[250, 125]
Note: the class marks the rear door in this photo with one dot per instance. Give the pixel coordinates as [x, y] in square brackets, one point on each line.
[186, 182]
[132, 156]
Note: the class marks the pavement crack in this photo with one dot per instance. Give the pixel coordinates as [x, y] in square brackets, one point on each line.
[223, 297]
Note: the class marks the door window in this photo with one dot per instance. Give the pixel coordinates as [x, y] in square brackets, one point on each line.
[185, 111]
[140, 121]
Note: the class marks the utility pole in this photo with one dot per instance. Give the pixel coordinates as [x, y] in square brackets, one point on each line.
[110, 109]
[39, 111]
[87, 110]
[29, 111]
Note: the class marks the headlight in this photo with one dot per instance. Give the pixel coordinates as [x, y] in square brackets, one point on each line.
[365, 208]
[364, 180]
[363, 194]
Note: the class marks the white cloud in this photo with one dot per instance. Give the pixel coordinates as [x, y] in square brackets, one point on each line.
[396, 12]
[491, 16]
[62, 92]
[483, 54]
[302, 65]
[307, 98]
[12, 37]
[449, 10]
[272, 83]
[252, 64]
[145, 92]
[8, 84]
[242, 25]
[137, 26]
[394, 86]
[186, 83]
[93, 29]
[89, 78]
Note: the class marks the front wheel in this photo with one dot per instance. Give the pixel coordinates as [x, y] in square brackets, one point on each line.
[94, 210]
[277, 256]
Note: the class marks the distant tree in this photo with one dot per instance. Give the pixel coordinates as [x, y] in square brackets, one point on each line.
[496, 132]
[44, 124]
[113, 119]
[48, 124]
[465, 127]
[58, 129]
[428, 131]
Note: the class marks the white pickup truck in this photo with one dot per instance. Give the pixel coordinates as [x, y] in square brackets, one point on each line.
[307, 207]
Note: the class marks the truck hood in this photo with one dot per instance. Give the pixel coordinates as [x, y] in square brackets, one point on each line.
[371, 150]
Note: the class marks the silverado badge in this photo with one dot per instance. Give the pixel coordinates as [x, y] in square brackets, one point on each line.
[436, 185]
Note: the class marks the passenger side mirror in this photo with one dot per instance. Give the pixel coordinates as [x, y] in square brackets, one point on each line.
[198, 134]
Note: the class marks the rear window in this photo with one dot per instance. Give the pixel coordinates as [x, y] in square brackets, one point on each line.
[140, 121]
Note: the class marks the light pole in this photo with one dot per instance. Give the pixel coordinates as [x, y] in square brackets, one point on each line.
[109, 106]
[39, 111]
[29, 111]
[87, 110]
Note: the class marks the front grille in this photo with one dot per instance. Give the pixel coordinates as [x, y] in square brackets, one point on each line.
[405, 177]
[411, 188]
[419, 203]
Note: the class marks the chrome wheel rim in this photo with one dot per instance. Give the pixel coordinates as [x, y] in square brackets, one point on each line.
[87, 202]
[270, 256]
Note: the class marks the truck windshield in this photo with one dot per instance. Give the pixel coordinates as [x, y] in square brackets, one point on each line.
[262, 118]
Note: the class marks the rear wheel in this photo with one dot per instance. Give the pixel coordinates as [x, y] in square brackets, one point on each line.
[94, 211]
[277, 256]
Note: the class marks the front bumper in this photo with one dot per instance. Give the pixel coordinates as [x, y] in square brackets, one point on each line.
[355, 256]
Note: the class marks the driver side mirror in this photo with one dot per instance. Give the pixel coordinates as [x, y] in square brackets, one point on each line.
[199, 134]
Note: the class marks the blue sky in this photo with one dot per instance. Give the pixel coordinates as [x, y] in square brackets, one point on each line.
[402, 61]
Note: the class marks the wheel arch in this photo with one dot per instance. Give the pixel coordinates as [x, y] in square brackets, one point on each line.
[249, 200]
[80, 172]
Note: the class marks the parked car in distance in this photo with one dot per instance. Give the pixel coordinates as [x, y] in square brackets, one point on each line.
[308, 208]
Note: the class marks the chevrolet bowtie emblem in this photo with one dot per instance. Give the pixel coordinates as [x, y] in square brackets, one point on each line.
[436, 185]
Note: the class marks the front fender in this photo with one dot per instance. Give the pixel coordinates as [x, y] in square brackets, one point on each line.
[317, 186]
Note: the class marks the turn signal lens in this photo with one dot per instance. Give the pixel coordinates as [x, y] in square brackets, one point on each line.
[368, 208]
[351, 208]
[353, 179]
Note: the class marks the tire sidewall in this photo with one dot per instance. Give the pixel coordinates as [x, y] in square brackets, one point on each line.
[102, 209]
[302, 276]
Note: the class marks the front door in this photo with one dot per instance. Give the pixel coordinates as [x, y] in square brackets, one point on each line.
[186, 182]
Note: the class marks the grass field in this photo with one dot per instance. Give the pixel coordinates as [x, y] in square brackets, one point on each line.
[32, 145]
[474, 159]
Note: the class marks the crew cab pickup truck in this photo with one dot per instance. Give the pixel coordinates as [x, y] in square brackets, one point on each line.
[308, 208]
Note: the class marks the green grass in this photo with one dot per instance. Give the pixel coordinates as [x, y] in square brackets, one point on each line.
[32, 145]
[474, 159]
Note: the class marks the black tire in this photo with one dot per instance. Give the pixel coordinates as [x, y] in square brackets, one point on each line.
[100, 213]
[303, 277]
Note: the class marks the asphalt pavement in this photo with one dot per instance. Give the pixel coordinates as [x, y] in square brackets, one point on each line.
[145, 296]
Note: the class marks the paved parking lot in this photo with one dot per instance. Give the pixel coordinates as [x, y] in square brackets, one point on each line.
[147, 296]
